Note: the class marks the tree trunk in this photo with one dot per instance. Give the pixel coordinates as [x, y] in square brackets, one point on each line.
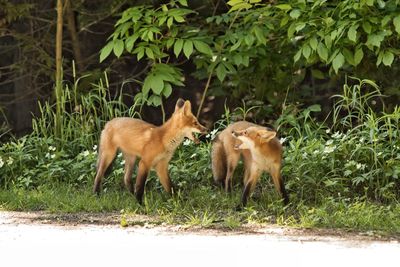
[59, 42]
[58, 88]
[74, 36]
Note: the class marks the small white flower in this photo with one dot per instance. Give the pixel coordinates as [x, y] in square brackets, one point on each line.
[47, 155]
[52, 148]
[328, 130]
[329, 149]
[10, 161]
[1, 162]
[329, 142]
[187, 142]
[85, 153]
[122, 162]
[213, 58]
[336, 135]
[193, 155]
[119, 155]
[282, 140]
[95, 147]
[53, 156]
[304, 155]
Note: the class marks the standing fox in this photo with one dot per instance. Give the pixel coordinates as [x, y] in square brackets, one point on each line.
[261, 151]
[154, 145]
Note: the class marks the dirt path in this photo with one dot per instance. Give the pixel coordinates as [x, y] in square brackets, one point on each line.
[40, 239]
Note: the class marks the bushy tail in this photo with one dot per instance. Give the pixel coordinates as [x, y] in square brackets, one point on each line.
[218, 160]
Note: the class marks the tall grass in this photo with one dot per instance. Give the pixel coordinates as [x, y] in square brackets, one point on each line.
[334, 166]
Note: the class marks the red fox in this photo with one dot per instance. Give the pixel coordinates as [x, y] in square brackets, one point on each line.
[261, 151]
[154, 145]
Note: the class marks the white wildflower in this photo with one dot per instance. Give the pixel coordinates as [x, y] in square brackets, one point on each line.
[52, 148]
[1, 162]
[53, 156]
[336, 135]
[187, 142]
[329, 149]
[213, 58]
[212, 134]
[328, 130]
[95, 147]
[119, 155]
[10, 161]
[329, 142]
[193, 155]
[122, 162]
[282, 140]
[85, 153]
[47, 155]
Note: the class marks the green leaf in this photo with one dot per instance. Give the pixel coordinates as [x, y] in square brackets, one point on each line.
[260, 35]
[118, 47]
[202, 47]
[396, 22]
[375, 40]
[221, 72]
[297, 55]
[388, 58]
[167, 90]
[149, 53]
[306, 51]
[338, 62]
[140, 53]
[129, 42]
[322, 51]
[367, 27]
[284, 7]
[156, 83]
[314, 43]
[170, 21]
[188, 48]
[155, 100]
[179, 19]
[178, 47]
[352, 33]
[105, 51]
[358, 56]
[183, 2]
[237, 59]
[348, 55]
[295, 13]
[236, 45]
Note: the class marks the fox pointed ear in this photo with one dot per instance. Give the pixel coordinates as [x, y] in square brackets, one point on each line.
[266, 135]
[187, 108]
[179, 104]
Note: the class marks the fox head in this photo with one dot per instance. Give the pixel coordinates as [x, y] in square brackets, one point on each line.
[186, 121]
[252, 137]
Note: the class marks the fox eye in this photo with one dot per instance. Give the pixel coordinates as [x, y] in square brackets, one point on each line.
[245, 132]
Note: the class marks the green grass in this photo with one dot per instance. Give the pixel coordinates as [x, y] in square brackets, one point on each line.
[209, 207]
[342, 175]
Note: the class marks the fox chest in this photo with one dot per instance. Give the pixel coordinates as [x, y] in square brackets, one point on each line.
[168, 151]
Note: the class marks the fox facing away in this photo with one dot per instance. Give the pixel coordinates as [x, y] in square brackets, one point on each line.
[260, 150]
[154, 145]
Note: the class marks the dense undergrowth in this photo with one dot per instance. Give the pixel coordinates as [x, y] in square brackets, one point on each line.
[342, 173]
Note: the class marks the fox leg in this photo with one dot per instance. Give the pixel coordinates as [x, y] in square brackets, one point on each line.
[250, 185]
[105, 159]
[129, 165]
[143, 171]
[162, 172]
[247, 162]
[275, 172]
[232, 161]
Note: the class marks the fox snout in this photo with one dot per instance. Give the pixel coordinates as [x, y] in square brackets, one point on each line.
[202, 129]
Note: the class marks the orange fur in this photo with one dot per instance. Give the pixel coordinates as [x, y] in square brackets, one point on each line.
[154, 145]
[260, 150]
